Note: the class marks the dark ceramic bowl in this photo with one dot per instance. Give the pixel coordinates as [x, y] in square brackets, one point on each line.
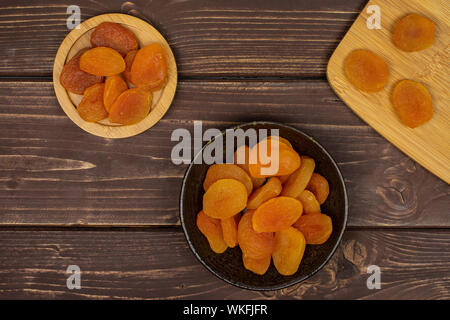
[228, 265]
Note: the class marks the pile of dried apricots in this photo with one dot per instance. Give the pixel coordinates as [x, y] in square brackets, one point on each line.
[370, 73]
[281, 210]
[115, 77]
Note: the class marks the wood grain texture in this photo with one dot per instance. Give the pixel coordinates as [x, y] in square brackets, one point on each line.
[217, 38]
[79, 39]
[53, 173]
[158, 264]
[428, 144]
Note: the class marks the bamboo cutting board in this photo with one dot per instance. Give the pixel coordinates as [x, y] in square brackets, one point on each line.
[428, 144]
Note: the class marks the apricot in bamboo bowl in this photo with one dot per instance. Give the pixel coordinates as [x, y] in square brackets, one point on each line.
[254, 260]
[99, 101]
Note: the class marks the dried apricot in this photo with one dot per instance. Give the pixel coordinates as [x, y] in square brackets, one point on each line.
[102, 61]
[256, 245]
[227, 171]
[114, 86]
[244, 152]
[413, 103]
[299, 179]
[277, 214]
[284, 178]
[131, 106]
[129, 58]
[149, 68]
[316, 227]
[212, 230]
[366, 71]
[319, 186]
[413, 33]
[268, 191]
[91, 107]
[257, 266]
[115, 36]
[288, 251]
[263, 164]
[282, 140]
[229, 229]
[225, 198]
[309, 202]
[74, 79]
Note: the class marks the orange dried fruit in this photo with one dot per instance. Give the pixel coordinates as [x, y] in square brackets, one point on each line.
[299, 179]
[115, 36]
[102, 61]
[268, 191]
[265, 163]
[212, 230]
[227, 171]
[413, 33]
[74, 79]
[366, 71]
[257, 266]
[91, 107]
[255, 245]
[241, 160]
[309, 202]
[229, 229]
[288, 252]
[319, 186]
[149, 68]
[282, 140]
[225, 198]
[131, 106]
[114, 86]
[316, 227]
[277, 214]
[413, 103]
[129, 59]
[284, 178]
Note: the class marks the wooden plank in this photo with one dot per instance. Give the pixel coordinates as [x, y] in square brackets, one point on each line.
[158, 264]
[209, 38]
[53, 173]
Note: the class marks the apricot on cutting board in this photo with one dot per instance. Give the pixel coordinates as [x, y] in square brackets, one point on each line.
[366, 71]
[412, 102]
[414, 33]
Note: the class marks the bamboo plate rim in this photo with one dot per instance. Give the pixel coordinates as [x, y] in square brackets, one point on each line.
[159, 108]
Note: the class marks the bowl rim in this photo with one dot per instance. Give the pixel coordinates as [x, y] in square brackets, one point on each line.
[293, 281]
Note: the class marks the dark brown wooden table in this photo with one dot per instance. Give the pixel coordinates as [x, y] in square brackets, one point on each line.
[111, 206]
